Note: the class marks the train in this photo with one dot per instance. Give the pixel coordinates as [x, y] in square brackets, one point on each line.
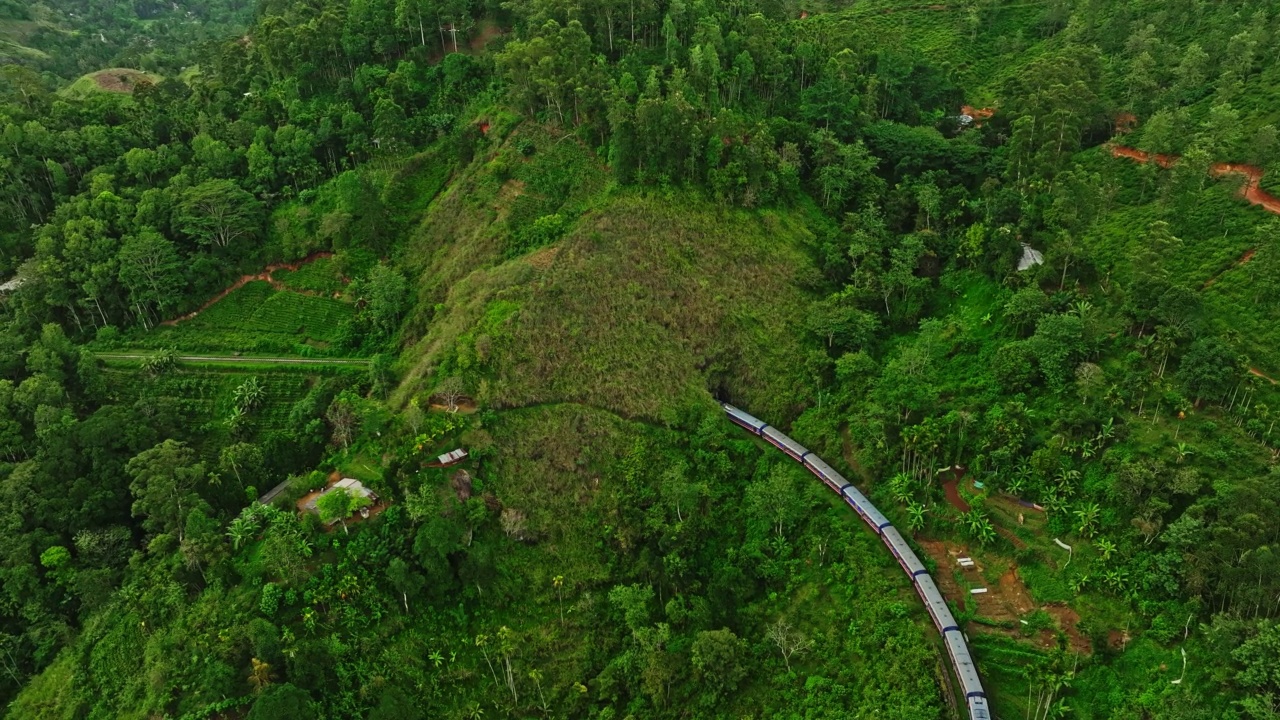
[966, 672]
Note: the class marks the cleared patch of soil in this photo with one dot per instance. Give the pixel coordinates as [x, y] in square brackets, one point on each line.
[543, 258]
[1125, 123]
[465, 406]
[1117, 639]
[944, 554]
[978, 114]
[488, 31]
[119, 80]
[1005, 603]
[1067, 620]
[374, 510]
[265, 275]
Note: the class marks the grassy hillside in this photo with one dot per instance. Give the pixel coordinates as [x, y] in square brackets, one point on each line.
[649, 303]
[110, 80]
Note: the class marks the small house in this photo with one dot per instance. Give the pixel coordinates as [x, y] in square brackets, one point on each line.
[455, 456]
[351, 485]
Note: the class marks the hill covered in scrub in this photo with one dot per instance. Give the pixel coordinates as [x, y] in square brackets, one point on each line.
[555, 236]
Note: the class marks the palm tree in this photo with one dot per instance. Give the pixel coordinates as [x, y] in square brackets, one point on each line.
[482, 642]
[474, 711]
[240, 530]
[1183, 451]
[536, 676]
[161, 362]
[558, 582]
[260, 676]
[1107, 431]
[900, 486]
[236, 420]
[915, 517]
[1117, 579]
[249, 394]
[1087, 518]
[1106, 548]
[986, 532]
[1067, 478]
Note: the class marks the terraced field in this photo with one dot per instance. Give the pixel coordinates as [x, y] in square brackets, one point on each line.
[258, 319]
[206, 396]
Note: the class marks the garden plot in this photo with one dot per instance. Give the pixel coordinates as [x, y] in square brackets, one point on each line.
[257, 318]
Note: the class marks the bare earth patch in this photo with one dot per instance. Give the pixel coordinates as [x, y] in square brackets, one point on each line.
[120, 80]
[1005, 603]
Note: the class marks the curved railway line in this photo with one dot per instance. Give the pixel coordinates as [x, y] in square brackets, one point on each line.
[962, 664]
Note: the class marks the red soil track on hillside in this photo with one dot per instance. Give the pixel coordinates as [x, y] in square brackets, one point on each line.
[949, 487]
[1245, 258]
[1250, 190]
[265, 276]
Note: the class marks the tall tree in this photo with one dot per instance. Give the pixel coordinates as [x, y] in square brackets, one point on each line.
[164, 486]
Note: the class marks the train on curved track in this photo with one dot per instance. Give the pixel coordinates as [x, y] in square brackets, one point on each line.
[957, 647]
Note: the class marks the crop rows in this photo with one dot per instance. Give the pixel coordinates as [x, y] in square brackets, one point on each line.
[257, 319]
[320, 276]
[208, 396]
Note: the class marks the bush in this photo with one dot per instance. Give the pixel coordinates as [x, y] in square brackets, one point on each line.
[281, 702]
[270, 602]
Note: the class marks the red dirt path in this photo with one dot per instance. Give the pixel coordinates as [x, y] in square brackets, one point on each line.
[950, 487]
[1250, 190]
[1259, 373]
[265, 275]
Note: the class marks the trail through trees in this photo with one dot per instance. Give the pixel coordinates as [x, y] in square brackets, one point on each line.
[1250, 190]
[265, 275]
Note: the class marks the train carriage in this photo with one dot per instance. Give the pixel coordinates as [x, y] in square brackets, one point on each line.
[903, 552]
[744, 419]
[784, 443]
[967, 672]
[859, 503]
[934, 602]
[825, 472]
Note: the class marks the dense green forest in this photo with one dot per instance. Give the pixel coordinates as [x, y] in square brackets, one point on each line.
[264, 247]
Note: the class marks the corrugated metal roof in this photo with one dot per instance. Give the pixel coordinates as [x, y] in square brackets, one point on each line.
[355, 487]
[452, 456]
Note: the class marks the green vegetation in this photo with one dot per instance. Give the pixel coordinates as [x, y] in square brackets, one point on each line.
[554, 235]
[256, 318]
